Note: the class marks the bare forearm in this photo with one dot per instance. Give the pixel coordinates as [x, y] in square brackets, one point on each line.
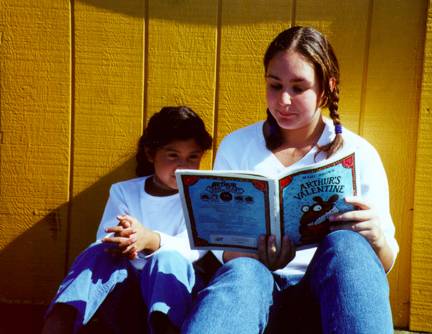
[385, 255]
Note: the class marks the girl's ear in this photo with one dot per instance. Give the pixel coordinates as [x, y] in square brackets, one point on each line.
[148, 154]
[323, 99]
[332, 84]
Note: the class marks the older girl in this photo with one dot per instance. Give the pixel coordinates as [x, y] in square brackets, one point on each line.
[340, 286]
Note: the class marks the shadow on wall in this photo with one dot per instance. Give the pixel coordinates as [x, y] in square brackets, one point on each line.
[170, 9]
[35, 262]
[127, 7]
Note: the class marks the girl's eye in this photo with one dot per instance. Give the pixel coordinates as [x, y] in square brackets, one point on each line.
[194, 157]
[298, 90]
[172, 156]
[275, 86]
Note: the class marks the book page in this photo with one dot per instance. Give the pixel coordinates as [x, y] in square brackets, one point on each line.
[225, 212]
[310, 196]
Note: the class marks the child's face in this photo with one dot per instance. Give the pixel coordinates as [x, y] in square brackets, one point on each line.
[292, 90]
[177, 154]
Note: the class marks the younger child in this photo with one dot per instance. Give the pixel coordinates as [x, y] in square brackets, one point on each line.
[142, 246]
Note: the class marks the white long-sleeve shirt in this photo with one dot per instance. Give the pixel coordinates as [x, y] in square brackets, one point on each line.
[245, 149]
[162, 214]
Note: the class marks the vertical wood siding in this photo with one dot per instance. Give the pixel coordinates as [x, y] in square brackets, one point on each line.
[390, 119]
[421, 268]
[35, 112]
[79, 80]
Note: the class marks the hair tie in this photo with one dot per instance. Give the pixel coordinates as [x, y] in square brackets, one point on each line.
[338, 128]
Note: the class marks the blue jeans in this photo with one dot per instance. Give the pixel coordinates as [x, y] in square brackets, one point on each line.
[344, 290]
[123, 295]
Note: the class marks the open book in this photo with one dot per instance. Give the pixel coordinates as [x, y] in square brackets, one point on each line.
[228, 210]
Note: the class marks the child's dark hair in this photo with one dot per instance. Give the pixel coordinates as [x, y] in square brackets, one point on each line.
[169, 124]
[316, 49]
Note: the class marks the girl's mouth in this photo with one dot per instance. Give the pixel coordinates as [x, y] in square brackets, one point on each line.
[285, 114]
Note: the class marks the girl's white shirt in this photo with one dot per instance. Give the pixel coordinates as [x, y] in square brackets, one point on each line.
[245, 149]
[162, 214]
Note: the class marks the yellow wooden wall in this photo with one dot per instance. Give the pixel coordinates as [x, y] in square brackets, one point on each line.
[79, 79]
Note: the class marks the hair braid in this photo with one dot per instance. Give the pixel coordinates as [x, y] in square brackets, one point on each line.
[272, 136]
[333, 106]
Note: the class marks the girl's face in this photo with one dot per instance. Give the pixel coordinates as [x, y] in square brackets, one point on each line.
[177, 154]
[292, 89]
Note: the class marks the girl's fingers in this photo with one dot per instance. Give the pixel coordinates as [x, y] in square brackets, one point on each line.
[368, 229]
[262, 251]
[272, 254]
[120, 231]
[347, 226]
[129, 249]
[120, 241]
[133, 254]
[124, 223]
[354, 216]
[114, 229]
[358, 202]
[126, 219]
[127, 233]
[287, 252]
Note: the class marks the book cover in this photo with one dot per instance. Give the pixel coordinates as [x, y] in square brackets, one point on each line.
[229, 209]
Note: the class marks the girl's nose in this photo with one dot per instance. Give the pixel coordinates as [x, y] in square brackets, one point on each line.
[181, 163]
[285, 98]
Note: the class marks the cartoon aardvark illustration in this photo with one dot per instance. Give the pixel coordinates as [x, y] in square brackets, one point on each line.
[314, 223]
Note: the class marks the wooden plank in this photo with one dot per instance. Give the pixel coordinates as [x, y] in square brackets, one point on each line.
[390, 121]
[421, 273]
[345, 23]
[108, 106]
[34, 147]
[182, 57]
[247, 27]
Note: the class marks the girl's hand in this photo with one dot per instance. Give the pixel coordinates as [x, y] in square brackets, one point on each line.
[365, 220]
[124, 238]
[144, 239]
[270, 257]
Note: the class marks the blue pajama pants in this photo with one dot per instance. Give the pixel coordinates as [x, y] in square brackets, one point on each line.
[97, 280]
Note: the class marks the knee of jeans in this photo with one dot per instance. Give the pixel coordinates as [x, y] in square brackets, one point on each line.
[344, 240]
[97, 253]
[249, 272]
[350, 249]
